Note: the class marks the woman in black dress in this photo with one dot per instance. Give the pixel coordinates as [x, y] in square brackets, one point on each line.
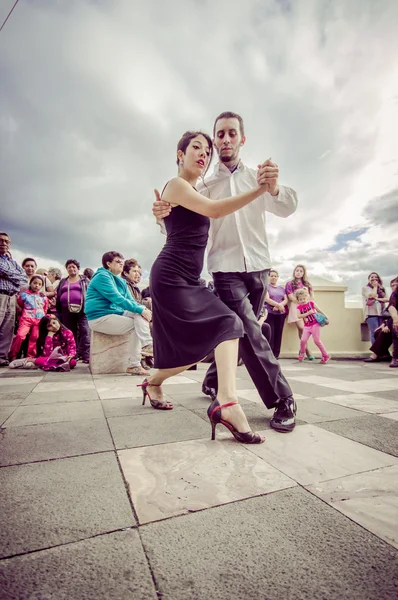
[188, 320]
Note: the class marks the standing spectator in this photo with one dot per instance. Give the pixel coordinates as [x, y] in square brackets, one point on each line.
[276, 302]
[71, 294]
[48, 288]
[383, 334]
[29, 265]
[88, 273]
[307, 310]
[299, 280]
[34, 306]
[393, 310]
[12, 277]
[55, 276]
[374, 299]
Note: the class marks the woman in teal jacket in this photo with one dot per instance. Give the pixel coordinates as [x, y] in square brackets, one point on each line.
[111, 309]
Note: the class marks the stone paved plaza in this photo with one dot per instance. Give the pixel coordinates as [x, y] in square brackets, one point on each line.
[103, 498]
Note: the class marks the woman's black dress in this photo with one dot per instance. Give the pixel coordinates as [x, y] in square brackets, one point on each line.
[189, 321]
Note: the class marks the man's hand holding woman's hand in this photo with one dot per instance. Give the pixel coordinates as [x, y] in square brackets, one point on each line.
[160, 208]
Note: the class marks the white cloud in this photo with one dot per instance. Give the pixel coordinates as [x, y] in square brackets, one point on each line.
[95, 95]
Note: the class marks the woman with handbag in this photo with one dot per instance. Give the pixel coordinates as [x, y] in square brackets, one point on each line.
[374, 301]
[313, 319]
[71, 295]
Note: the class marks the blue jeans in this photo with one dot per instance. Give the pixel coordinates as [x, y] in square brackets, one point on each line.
[373, 323]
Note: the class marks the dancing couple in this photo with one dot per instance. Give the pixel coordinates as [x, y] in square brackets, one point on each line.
[188, 320]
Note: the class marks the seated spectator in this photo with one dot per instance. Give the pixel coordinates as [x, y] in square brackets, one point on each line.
[299, 280]
[131, 273]
[374, 299]
[56, 348]
[383, 336]
[12, 278]
[71, 294]
[393, 310]
[111, 309]
[88, 273]
[275, 302]
[146, 297]
[132, 276]
[34, 306]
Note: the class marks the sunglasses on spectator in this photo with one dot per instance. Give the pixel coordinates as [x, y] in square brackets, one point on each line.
[119, 261]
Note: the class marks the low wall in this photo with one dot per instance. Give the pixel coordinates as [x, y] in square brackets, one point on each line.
[342, 337]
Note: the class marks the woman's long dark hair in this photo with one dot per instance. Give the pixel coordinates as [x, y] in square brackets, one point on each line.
[43, 331]
[380, 288]
[304, 279]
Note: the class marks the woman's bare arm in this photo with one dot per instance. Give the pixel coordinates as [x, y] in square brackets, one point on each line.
[180, 192]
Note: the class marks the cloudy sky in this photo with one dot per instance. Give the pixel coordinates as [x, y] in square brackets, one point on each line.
[96, 93]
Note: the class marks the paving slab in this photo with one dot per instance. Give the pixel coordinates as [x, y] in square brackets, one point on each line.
[370, 430]
[21, 389]
[359, 386]
[12, 398]
[123, 407]
[315, 410]
[57, 397]
[312, 390]
[50, 503]
[310, 454]
[392, 394]
[368, 403]
[370, 499]
[111, 567]
[283, 546]
[5, 412]
[157, 427]
[173, 479]
[54, 413]
[53, 440]
[65, 386]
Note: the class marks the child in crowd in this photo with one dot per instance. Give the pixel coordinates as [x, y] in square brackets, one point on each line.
[299, 280]
[307, 309]
[34, 306]
[56, 348]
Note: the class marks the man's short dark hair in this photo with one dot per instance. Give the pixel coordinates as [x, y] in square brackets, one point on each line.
[25, 260]
[109, 256]
[230, 115]
[72, 261]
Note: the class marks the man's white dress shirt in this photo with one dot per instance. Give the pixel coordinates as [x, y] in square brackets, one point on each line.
[238, 242]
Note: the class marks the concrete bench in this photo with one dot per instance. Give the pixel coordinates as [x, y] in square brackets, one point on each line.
[108, 353]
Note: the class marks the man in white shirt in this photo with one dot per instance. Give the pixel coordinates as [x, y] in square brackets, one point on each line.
[238, 259]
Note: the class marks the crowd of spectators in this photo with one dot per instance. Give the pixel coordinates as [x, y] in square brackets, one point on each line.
[46, 319]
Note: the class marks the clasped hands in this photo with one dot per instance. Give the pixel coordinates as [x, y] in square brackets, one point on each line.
[267, 176]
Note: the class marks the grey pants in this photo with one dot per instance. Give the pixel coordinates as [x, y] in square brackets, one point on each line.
[244, 293]
[7, 323]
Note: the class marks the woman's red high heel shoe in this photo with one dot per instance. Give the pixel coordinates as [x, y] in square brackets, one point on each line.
[214, 414]
[158, 404]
